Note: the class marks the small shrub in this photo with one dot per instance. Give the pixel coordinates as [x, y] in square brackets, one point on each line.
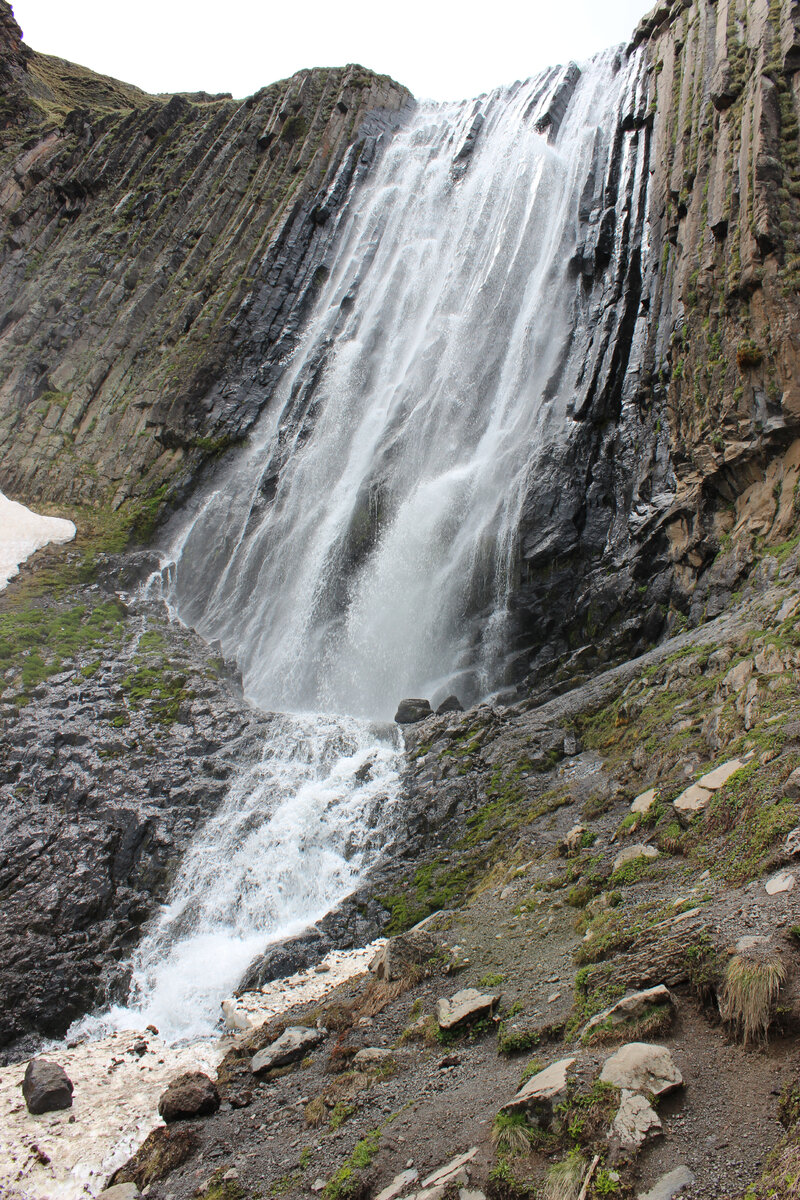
[511, 1133]
[564, 1179]
[748, 354]
[749, 993]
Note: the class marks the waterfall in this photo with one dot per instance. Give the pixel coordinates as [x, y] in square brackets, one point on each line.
[362, 546]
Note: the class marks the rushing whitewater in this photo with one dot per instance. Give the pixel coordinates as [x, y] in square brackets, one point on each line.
[362, 547]
[295, 834]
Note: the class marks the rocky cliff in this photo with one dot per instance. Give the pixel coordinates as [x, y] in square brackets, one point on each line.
[157, 257]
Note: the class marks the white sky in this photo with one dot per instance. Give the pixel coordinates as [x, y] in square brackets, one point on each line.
[440, 49]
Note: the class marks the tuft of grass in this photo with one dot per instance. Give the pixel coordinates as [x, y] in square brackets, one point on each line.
[511, 1133]
[749, 993]
[564, 1179]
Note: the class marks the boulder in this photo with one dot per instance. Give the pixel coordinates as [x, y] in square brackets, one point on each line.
[644, 802]
[451, 704]
[695, 798]
[573, 839]
[691, 801]
[411, 711]
[642, 1067]
[544, 1092]
[670, 1185]
[452, 1172]
[162, 1152]
[372, 1056]
[293, 1044]
[46, 1087]
[791, 788]
[466, 1005]
[784, 881]
[631, 1006]
[190, 1095]
[635, 1122]
[639, 850]
[401, 955]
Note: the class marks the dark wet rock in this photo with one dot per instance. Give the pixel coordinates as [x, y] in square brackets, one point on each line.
[451, 704]
[411, 711]
[95, 817]
[46, 1087]
[190, 1095]
[162, 1151]
[287, 958]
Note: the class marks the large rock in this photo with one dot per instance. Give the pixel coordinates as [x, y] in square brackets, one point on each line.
[635, 1122]
[120, 1191]
[642, 1067]
[161, 1153]
[293, 1044]
[644, 802]
[639, 850]
[46, 1087]
[696, 797]
[402, 956]
[450, 704]
[401, 1183]
[632, 1006]
[544, 1092]
[190, 1095]
[465, 1006]
[411, 711]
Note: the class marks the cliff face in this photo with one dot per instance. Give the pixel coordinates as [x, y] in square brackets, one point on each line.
[146, 240]
[725, 211]
[160, 253]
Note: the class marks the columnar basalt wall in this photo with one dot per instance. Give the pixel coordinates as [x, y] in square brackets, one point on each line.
[140, 235]
[725, 209]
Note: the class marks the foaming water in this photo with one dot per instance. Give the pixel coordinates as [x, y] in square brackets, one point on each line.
[294, 836]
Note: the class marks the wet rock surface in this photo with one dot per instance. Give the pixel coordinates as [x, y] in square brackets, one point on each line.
[102, 784]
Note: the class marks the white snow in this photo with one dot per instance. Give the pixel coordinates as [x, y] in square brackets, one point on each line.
[22, 532]
[115, 1102]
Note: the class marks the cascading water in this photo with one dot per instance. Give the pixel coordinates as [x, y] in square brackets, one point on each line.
[362, 547]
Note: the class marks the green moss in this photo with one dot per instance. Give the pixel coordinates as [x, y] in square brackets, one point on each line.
[37, 642]
[345, 1183]
[516, 1040]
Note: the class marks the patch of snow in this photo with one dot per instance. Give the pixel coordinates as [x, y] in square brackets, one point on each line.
[22, 532]
[115, 1102]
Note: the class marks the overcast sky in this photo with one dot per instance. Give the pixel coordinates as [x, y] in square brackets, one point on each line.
[442, 49]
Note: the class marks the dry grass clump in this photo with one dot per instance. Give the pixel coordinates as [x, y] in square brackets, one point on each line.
[654, 1022]
[750, 990]
[565, 1179]
[511, 1133]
